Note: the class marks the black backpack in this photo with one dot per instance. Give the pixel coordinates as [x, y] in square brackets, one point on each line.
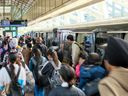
[41, 80]
[15, 88]
[55, 79]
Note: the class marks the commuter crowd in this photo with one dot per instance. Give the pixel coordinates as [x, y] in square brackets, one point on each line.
[30, 68]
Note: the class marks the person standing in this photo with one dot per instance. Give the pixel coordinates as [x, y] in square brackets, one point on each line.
[75, 50]
[116, 62]
[91, 73]
[34, 65]
[27, 53]
[51, 70]
[41, 46]
[7, 75]
[67, 88]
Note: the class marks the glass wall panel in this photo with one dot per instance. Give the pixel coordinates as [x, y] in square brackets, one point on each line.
[47, 5]
[39, 7]
[58, 2]
[37, 10]
[52, 4]
[65, 1]
[34, 12]
[43, 7]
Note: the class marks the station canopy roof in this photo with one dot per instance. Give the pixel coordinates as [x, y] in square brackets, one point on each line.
[14, 8]
[108, 13]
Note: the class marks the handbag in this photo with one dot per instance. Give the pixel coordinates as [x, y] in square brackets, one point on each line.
[29, 82]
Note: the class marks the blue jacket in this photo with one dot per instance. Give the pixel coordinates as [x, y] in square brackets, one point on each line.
[89, 73]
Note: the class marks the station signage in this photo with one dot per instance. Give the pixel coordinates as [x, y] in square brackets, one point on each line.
[16, 23]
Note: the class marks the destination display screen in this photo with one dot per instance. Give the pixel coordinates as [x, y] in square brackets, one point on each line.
[16, 23]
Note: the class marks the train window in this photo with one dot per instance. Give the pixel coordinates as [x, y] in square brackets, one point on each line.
[42, 34]
[36, 34]
[101, 40]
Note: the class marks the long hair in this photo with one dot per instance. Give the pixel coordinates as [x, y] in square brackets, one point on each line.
[53, 54]
[36, 52]
[12, 59]
[4, 43]
[68, 74]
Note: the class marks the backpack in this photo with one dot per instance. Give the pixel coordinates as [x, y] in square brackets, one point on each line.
[41, 80]
[15, 88]
[29, 87]
[82, 51]
[55, 78]
[67, 58]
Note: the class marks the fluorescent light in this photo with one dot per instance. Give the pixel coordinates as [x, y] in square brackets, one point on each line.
[117, 31]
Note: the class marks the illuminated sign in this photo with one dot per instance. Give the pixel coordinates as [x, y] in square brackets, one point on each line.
[5, 23]
[16, 23]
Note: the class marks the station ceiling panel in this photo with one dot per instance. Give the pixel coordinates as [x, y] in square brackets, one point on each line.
[14, 9]
[31, 9]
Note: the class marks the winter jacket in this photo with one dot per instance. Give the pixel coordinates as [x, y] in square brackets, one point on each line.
[75, 53]
[89, 73]
[78, 70]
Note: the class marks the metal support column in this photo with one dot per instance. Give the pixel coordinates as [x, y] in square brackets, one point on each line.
[11, 10]
[3, 9]
[21, 11]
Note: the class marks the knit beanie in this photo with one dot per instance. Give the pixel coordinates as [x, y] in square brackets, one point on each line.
[13, 43]
[116, 52]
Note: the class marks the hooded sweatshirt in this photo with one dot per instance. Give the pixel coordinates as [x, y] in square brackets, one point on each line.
[116, 84]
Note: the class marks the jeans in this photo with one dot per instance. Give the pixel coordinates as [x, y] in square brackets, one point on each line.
[38, 91]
